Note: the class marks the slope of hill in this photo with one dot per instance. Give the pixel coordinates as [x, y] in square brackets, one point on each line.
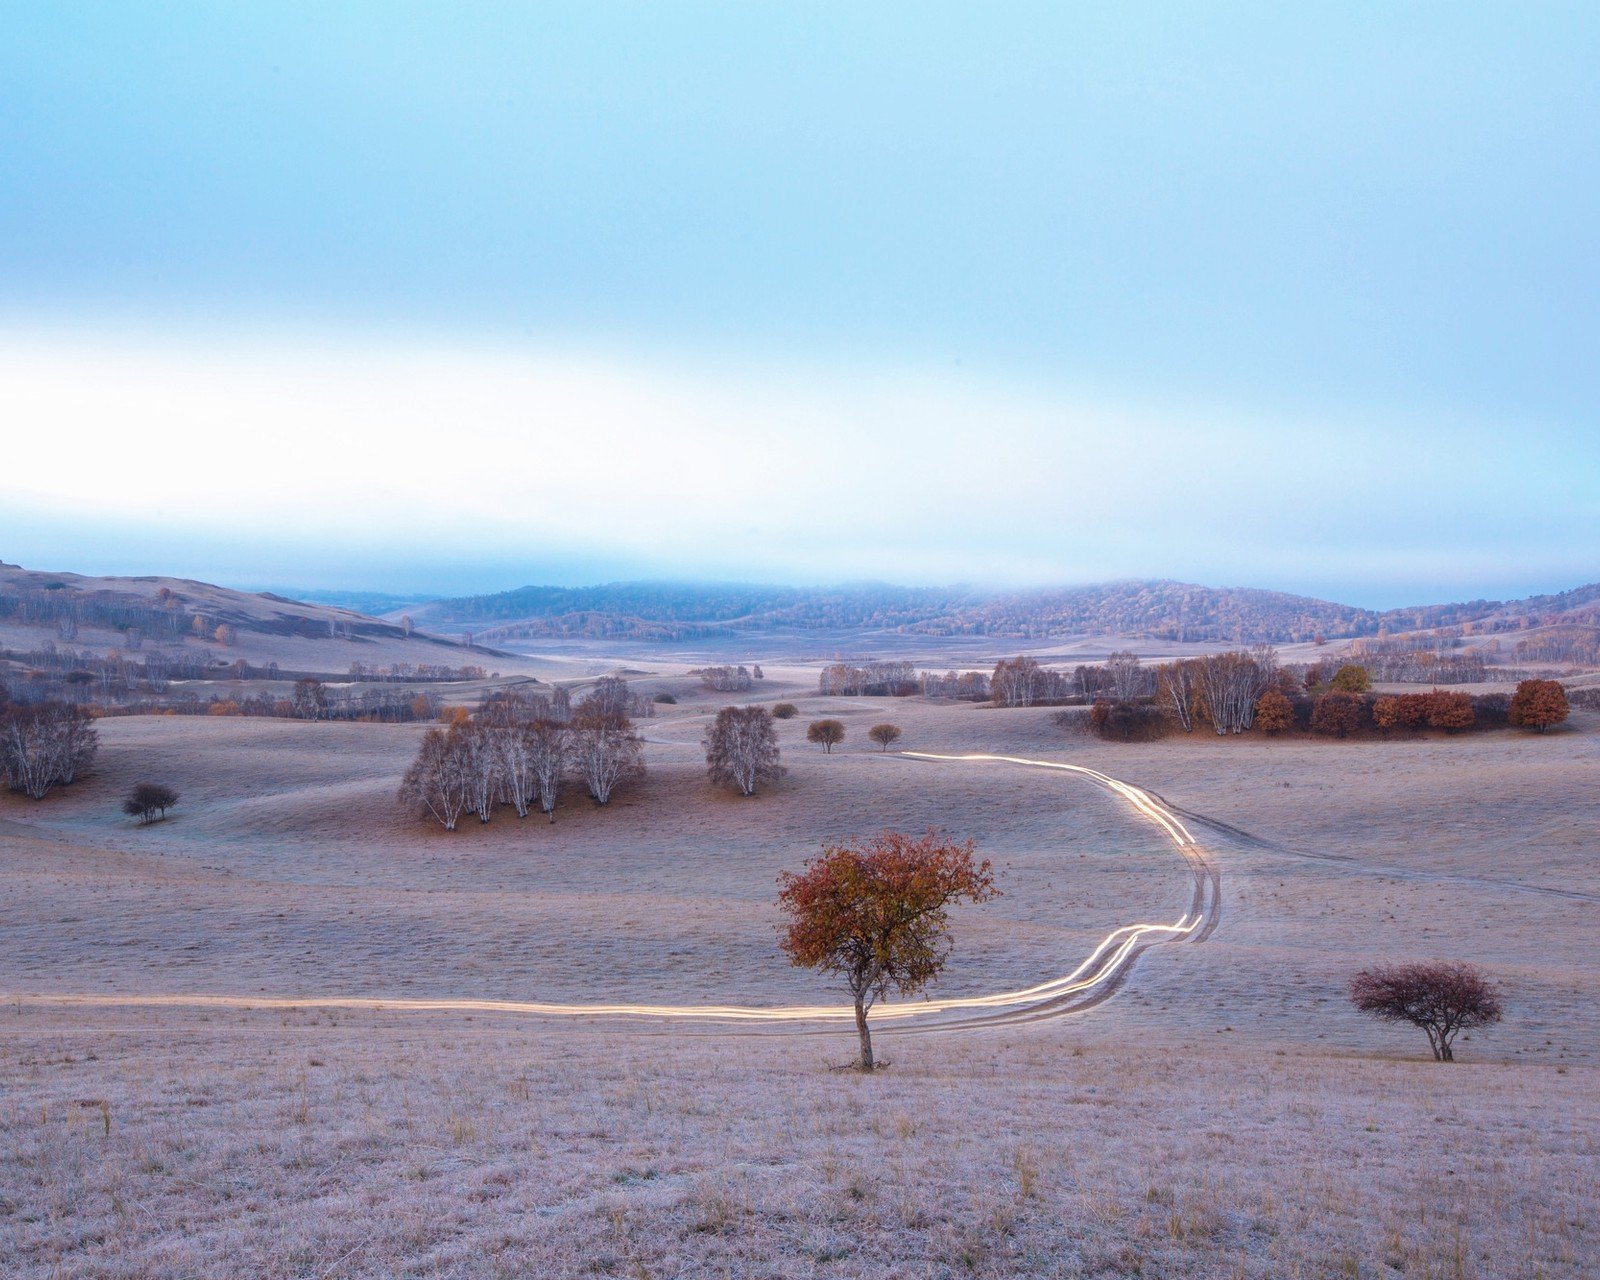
[663, 610]
[1163, 609]
[220, 625]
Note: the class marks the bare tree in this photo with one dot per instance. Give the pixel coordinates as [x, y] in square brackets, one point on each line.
[742, 749]
[885, 735]
[1441, 998]
[546, 745]
[1127, 676]
[479, 748]
[607, 754]
[829, 733]
[610, 699]
[310, 699]
[726, 679]
[438, 780]
[1015, 683]
[1175, 691]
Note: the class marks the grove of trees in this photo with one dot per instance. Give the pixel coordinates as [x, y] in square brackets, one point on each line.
[876, 914]
[517, 751]
[45, 745]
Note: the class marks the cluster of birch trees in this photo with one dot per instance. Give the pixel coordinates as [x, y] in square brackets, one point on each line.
[1220, 689]
[45, 745]
[518, 750]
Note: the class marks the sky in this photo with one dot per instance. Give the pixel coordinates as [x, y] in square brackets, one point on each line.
[445, 298]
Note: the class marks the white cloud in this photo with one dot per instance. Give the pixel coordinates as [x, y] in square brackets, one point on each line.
[680, 466]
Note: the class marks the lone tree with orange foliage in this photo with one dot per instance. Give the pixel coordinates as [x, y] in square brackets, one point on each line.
[1439, 997]
[1538, 704]
[877, 914]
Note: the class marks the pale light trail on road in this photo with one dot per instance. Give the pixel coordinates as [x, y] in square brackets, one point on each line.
[1086, 984]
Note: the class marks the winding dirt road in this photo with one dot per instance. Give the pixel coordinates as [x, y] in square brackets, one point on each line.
[1092, 981]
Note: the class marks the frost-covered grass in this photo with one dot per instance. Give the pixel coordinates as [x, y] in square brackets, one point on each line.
[294, 1146]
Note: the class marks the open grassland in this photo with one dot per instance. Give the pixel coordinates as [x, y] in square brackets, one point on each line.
[1225, 1114]
[293, 1146]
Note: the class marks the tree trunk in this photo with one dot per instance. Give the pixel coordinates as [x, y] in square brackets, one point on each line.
[865, 1034]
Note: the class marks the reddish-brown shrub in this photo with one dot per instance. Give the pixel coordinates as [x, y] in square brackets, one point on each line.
[1274, 712]
[1449, 711]
[1441, 998]
[1338, 714]
[1538, 704]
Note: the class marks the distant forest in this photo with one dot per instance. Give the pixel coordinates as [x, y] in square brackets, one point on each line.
[1163, 610]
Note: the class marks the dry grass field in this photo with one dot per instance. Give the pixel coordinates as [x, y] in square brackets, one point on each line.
[1225, 1114]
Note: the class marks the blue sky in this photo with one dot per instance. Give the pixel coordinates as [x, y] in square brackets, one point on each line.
[1297, 296]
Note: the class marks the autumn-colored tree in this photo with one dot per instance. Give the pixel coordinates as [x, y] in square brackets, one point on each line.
[1274, 712]
[1441, 998]
[742, 749]
[1338, 714]
[885, 735]
[1386, 712]
[1538, 704]
[1449, 710]
[225, 634]
[829, 733]
[877, 914]
[1351, 678]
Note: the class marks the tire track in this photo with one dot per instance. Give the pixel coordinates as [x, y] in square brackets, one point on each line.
[1094, 980]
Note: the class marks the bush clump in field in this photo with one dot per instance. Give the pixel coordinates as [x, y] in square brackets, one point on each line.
[149, 802]
[785, 711]
[1128, 721]
[665, 699]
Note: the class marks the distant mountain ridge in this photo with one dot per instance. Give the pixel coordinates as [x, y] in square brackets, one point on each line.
[1162, 609]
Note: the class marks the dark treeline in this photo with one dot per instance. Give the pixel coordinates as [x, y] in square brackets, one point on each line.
[1238, 692]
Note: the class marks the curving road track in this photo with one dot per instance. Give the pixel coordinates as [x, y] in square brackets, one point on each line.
[1092, 981]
